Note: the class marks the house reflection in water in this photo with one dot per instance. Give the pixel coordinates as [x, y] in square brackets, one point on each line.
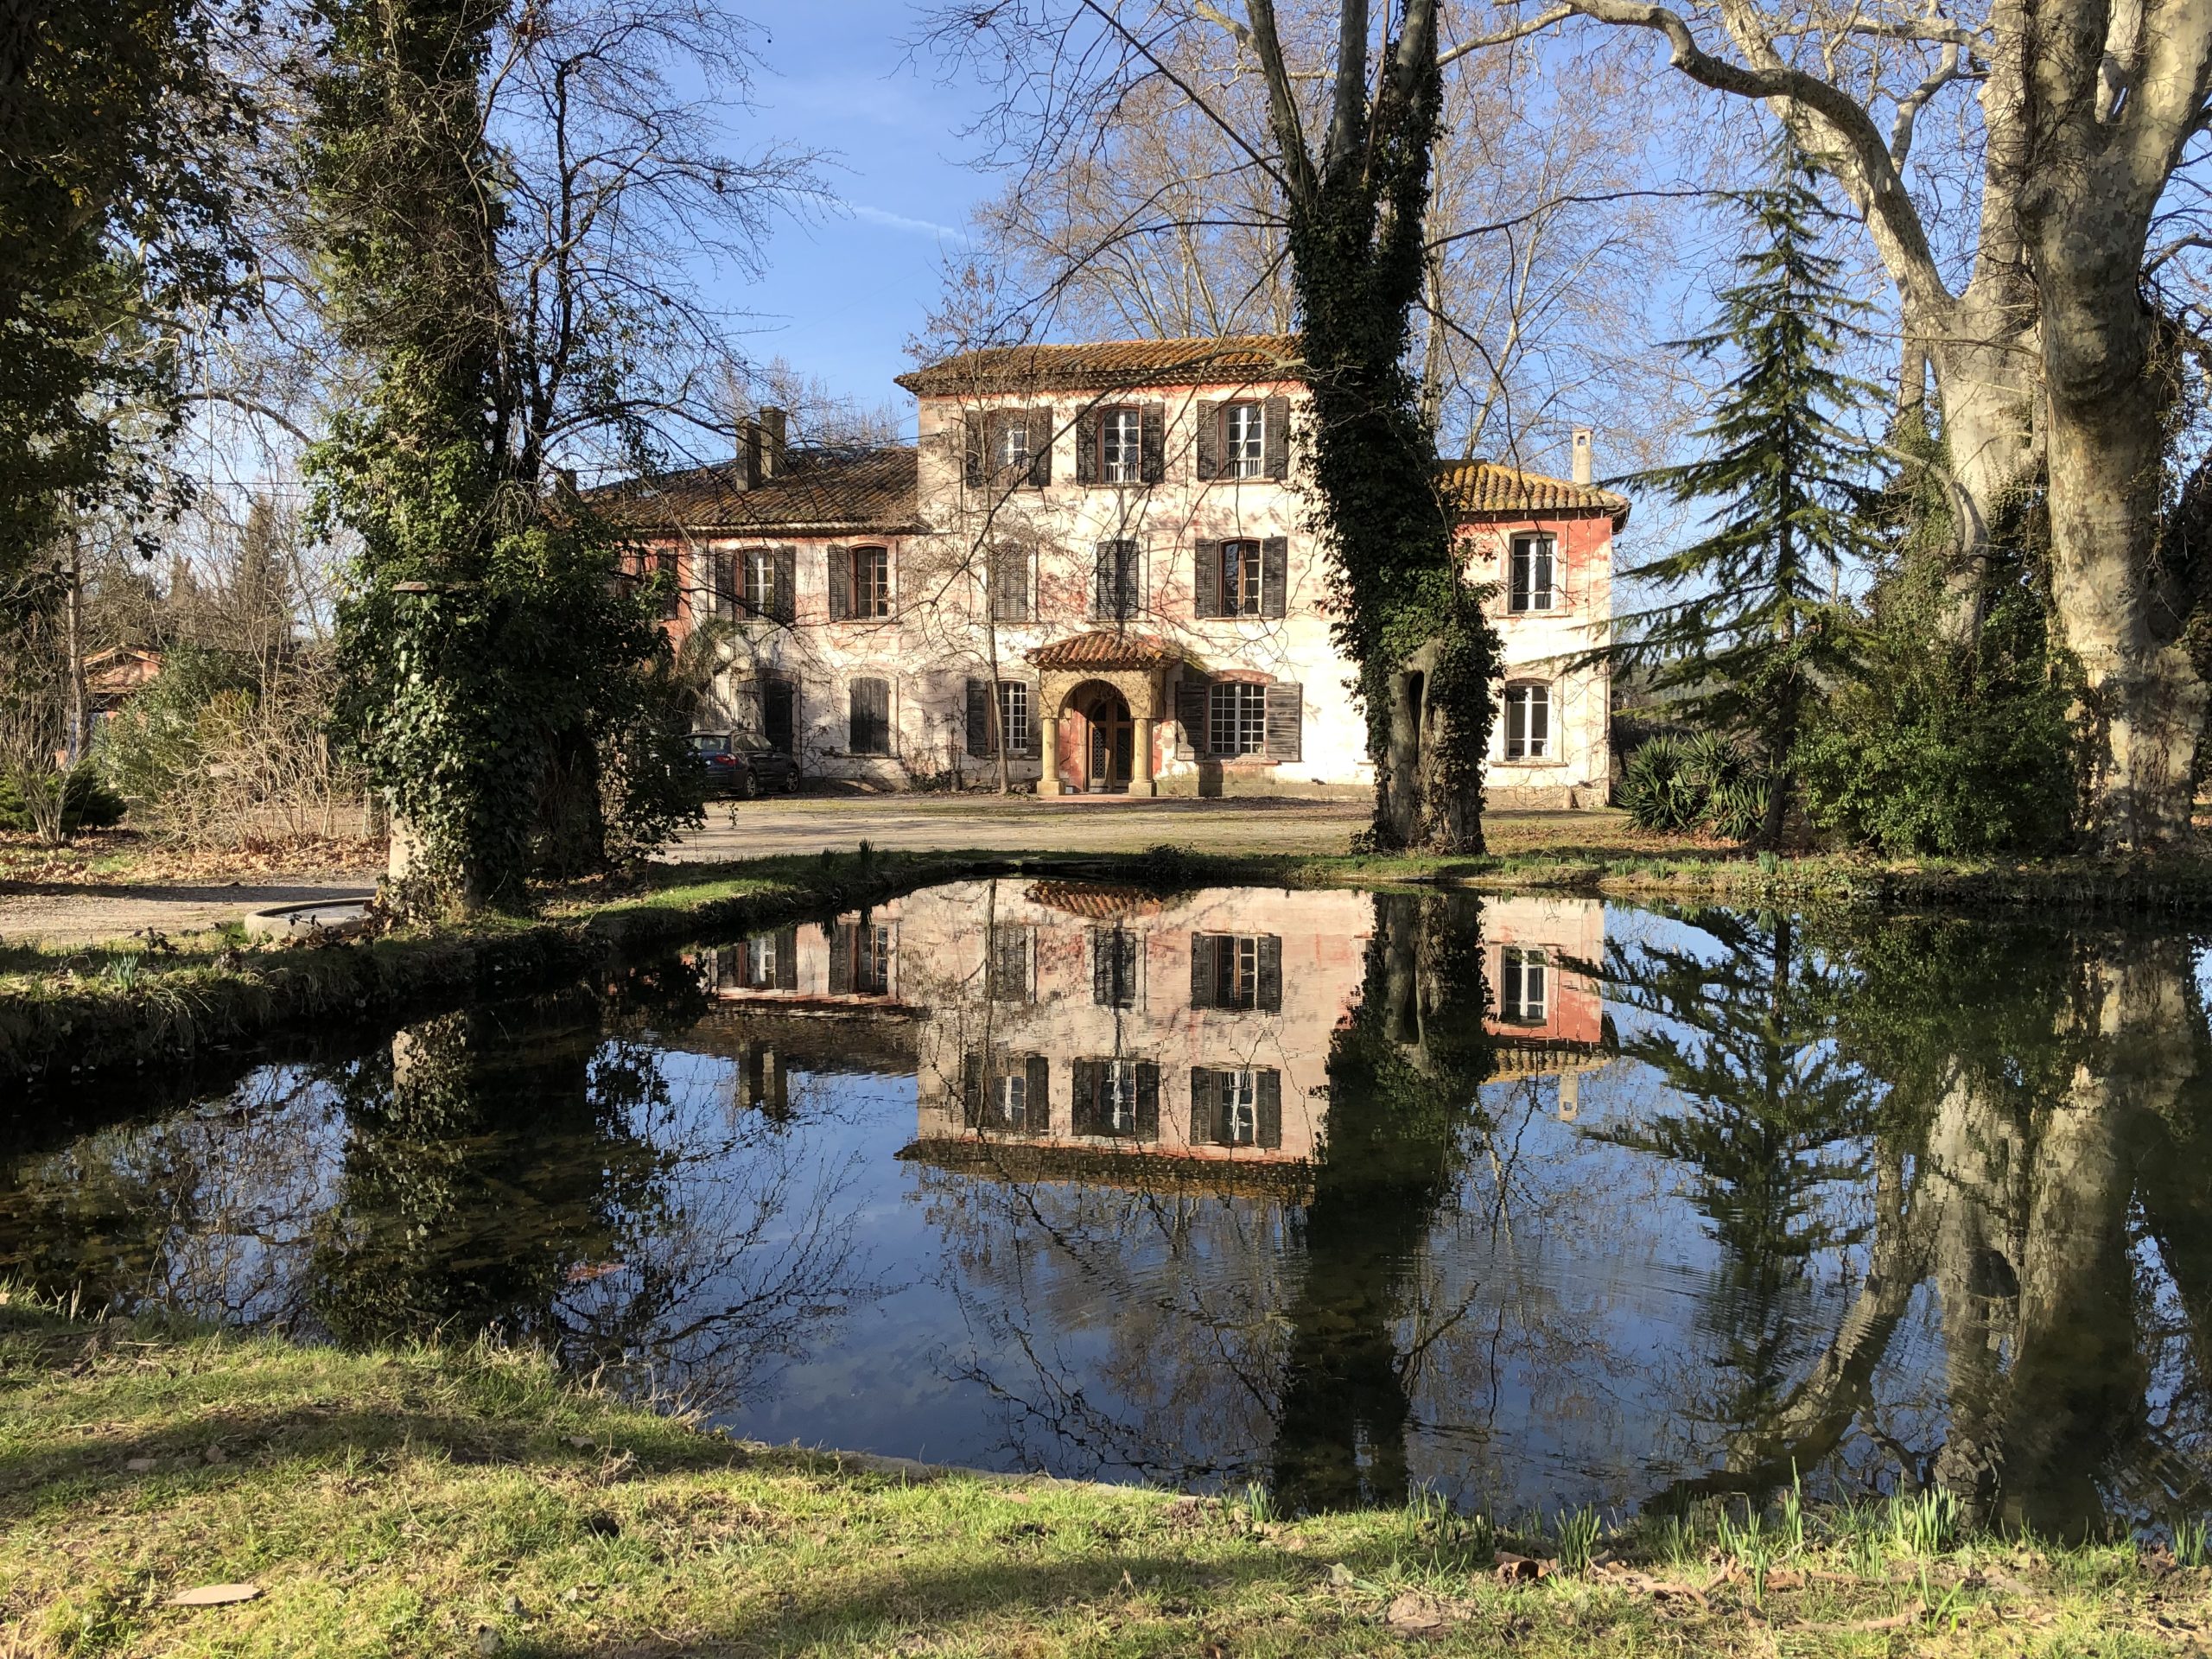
[1066, 1032]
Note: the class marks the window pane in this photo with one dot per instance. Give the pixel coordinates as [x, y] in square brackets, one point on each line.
[1121, 438]
[1540, 721]
[1245, 448]
[1014, 715]
[1240, 579]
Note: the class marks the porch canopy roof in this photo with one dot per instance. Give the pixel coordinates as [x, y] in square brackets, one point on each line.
[1103, 648]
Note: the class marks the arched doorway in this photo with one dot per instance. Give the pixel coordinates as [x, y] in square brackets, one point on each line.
[1108, 739]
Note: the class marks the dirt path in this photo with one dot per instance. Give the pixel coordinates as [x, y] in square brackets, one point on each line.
[65, 917]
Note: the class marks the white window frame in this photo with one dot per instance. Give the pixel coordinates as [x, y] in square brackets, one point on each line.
[759, 578]
[1237, 719]
[1013, 453]
[1117, 1096]
[1244, 441]
[1521, 703]
[1520, 968]
[1121, 445]
[761, 960]
[1539, 553]
[1248, 554]
[1015, 705]
[1240, 1108]
[872, 604]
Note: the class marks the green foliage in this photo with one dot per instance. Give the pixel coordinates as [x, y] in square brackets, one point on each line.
[1932, 745]
[161, 740]
[115, 209]
[1672, 784]
[1754, 634]
[87, 803]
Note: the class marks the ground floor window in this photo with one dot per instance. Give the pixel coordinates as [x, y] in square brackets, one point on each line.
[1007, 1093]
[1117, 1098]
[860, 960]
[779, 706]
[1016, 718]
[870, 724]
[1237, 719]
[1528, 722]
[1236, 1107]
[1524, 986]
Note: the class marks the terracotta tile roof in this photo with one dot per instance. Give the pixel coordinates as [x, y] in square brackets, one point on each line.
[1092, 901]
[1239, 1174]
[1102, 649]
[815, 494]
[1483, 488]
[1100, 365]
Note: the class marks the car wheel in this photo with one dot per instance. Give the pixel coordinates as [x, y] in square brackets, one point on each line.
[751, 787]
[791, 781]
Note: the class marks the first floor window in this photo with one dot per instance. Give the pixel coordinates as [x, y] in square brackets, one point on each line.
[1240, 579]
[758, 564]
[667, 571]
[1114, 592]
[870, 732]
[1008, 974]
[871, 581]
[1244, 441]
[1524, 986]
[1528, 722]
[1529, 586]
[1236, 970]
[1237, 719]
[1121, 446]
[1114, 967]
[1009, 584]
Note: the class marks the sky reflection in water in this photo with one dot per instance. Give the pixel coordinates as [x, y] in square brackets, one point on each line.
[1533, 1201]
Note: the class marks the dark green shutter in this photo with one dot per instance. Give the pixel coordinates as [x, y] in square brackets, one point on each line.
[1274, 575]
[786, 584]
[1209, 419]
[973, 467]
[1205, 579]
[1148, 1100]
[1286, 722]
[979, 718]
[1083, 1116]
[971, 1089]
[1039, 1069]
[842, 939]
[1204, 949]
[1191, 717]
[787, 959]
[1277, 436]
[1086, 446]
[1270, 969]
[1271, 1125]
[1040, 448]
[840, 584]
[1203, 1132]
[1152, 428]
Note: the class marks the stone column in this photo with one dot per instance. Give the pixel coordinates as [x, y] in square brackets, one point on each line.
[1048, 735]
[1140, 783]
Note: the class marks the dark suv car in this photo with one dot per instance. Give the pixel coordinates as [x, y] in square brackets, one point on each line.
[737, 764]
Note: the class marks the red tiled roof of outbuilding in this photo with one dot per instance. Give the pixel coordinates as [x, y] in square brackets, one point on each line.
[1107, 364]
[1485, 489]
[1101, 648]
[815, 493]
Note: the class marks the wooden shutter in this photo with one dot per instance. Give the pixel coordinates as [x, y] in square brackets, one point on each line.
[971, 1088]
[1270, 1124]
[1034, 735]
[1285, 722]
[840, 566]
[1205, 579]
[1274, 575]
[725, 582]
[1191, 718]
[786, 584]
[1268, 993]
[1102, 968]
[1083, 1115]
[973, 451]
[1151, 420]
[1205, 952]
[1276, 419]
[1106, 581]
[979, 718]
[1203, 1097]
[1040, 1071]
[1148, 1100]
[1209, 436]
[843, 937]
[1086, 446]
[787, 959]
[1040, 448]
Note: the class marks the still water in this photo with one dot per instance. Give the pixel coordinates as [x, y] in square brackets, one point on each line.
[1535, 1202]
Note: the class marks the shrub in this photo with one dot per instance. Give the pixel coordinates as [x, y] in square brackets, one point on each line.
[87, 803]
[1673, 784]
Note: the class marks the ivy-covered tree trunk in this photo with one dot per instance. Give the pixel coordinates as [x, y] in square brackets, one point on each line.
[1427, 654]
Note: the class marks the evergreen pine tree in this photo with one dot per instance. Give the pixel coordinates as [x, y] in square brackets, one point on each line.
[1755, 631]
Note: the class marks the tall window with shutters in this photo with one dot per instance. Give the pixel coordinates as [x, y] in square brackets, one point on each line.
[1009, 580]
[1237, 971]
[1117, 1098]
[1528, 722]
[665, 568]
[1529, 579]
[871, 581]
[1116, 963]
[1244, 441]
[1244, 438]
[1016, 718]
[1011, 971]
[1244, 577]
[1121, 445]
[1236, 1107]
[765, 581]
[869, 728]
[1237, 720]
[1117, 583]
[1007, 1093]
[1240, 579]
[860, 959]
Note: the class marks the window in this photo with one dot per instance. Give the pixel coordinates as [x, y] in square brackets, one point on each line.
[870, 732]
[1014, 715]
[1236, 970]
[1010, 448]
[1121, 446]
[1115, 956]
[1008, 971]
[1114, 592]
[1528, 722]
[1524, 985]
[871, 581]
[1010, 1102]
[766, 961]
[1531, 580]
[1009, 584]
[666, 571]
[761, 960]
[1237, 719]
[1015, 718]
[1010, 1094]
[1240, 579]
[1244, 441]
[758, 566]
[778, 703]
[1118, 1098]
[860, 959]
[1239, 1107]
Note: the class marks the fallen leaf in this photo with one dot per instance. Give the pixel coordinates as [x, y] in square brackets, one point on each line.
[583, 1442]
[139, 1465]
[1513, 1568]
[1339, 1573]
[1417, 1615]
[215, 1595]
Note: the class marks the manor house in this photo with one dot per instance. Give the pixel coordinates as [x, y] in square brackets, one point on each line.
[1101, 556]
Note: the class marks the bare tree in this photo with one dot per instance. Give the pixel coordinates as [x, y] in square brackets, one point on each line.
[35, 703]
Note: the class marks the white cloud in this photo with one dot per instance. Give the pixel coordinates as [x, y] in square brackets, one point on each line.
[900, 222]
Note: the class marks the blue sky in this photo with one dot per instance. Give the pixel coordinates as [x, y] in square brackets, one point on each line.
[841, 295]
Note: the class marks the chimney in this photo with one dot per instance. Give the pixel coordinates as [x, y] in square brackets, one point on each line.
[772, 430]
[1581, 473]
[749, 453]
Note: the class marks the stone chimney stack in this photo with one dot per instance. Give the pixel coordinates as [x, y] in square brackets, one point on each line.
[1581, 447]
[771, 429]
[748, 453]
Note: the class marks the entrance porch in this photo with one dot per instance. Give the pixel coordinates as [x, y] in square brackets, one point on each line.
[1101, 698]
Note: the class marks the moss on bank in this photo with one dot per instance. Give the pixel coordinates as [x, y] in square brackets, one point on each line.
[468, 1500]
[136, 1005]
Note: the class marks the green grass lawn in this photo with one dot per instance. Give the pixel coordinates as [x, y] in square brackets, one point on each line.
[467, 1501]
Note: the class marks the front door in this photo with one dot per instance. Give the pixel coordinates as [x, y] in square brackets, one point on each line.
[1112, 745]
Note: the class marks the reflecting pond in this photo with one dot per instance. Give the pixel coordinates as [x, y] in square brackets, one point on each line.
[1533, 1201]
